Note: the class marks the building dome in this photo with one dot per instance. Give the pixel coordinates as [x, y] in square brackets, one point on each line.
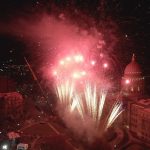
[132, 80]
[133, 67]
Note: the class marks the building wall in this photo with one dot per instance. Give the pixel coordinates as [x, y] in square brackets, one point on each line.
[11, 105]
[140, 122]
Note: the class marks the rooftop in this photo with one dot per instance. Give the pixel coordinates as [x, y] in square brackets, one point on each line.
[133, 67]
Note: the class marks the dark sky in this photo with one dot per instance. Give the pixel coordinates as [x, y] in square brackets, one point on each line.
[131, 16]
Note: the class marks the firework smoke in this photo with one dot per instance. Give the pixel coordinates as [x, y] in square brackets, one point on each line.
[73, 53]
[85, 113]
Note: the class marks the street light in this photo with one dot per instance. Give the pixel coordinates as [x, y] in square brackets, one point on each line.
[4, 147]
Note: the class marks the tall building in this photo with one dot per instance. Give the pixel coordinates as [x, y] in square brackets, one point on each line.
[136, 117]
[132, 81]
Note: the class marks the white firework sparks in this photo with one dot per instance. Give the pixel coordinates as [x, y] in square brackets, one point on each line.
[77, 104]
[114, 113]
[89, 104]
[94, 102]
[65, 92]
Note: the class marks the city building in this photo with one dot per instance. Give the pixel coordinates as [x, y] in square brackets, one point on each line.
[140, 119]
[11, 105]
[136, 116]
[132, 84]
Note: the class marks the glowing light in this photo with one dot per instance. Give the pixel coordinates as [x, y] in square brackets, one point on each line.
[86, 100]
[68, 58]
[74, 104]
[105, 65]
[127, 81]
[54, 73]
[4, 147]
[78, 101]
[83, 73]
[79, 58]
[62, 62]
[116, 111]
[92, 105]
[93, 62]
[64, 92]
[76, 75]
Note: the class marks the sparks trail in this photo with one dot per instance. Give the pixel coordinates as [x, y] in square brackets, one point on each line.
[81, 88]
[65, 93]
[88, 103]
[114, 113]
[91, 105]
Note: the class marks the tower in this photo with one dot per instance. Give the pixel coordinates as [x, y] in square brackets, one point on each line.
[132, 83]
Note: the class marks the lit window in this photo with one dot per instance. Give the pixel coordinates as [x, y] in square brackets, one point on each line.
[132, 89]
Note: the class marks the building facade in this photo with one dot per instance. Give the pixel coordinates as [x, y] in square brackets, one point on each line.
[136, 117]
[11, 105]
[132, 84]
[140, 119]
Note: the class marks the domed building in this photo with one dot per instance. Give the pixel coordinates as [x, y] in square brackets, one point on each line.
[132, 81]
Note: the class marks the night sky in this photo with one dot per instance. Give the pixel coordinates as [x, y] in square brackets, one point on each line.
[131, 17]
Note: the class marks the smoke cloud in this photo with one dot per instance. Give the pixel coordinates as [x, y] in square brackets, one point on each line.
[48, 38]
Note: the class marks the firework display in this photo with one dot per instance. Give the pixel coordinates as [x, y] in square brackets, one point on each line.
[79, 91]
